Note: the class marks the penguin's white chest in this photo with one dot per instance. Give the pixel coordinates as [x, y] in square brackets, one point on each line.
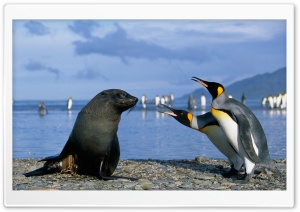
[231, 130]
[229, 126]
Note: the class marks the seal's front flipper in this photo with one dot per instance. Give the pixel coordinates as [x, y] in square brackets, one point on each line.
[103, 176]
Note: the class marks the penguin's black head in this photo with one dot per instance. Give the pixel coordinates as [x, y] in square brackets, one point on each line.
[214, 88]
[181, 116]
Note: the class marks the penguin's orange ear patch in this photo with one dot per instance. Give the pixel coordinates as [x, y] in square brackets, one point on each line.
[220, 90]
[190, 117]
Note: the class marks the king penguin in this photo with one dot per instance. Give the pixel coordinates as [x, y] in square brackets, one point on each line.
[208, 125]
[241, 127]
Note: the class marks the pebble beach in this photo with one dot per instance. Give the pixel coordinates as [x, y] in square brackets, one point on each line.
[194, 174]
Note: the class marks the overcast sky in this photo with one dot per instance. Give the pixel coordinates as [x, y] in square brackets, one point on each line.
[54, 59]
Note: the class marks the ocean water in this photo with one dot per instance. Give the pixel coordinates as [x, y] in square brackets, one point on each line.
[143, 134]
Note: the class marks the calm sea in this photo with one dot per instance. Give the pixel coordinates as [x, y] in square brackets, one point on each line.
[143, 134]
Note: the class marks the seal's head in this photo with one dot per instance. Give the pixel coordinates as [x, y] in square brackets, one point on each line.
[114, 100]
[119, 99]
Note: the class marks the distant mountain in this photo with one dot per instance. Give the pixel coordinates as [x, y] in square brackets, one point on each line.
[256, 87]
[260, 85]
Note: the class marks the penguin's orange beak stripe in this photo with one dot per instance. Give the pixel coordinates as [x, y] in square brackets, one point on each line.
[202, 83]
[199, 81]
[171, 114]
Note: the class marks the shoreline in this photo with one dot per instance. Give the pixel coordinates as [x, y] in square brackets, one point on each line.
[190, 174]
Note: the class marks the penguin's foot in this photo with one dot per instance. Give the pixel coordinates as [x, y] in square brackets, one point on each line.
[244, 179]
[230, 173]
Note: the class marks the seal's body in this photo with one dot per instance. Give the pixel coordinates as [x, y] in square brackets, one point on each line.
[93, 146]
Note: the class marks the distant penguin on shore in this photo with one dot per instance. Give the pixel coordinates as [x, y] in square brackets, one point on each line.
[162, 100]
[271, 102]
[42, 109]
[203, 101]
[192, 103]
[283, 101]
[171, 99]
[144, 101]
[264, 101]
[243, 99]
[69, 103]
[157, 101]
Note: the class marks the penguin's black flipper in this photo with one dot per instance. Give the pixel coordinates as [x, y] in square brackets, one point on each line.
[246, 138]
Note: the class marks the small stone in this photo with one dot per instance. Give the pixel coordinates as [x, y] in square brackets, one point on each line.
[186, 186]
[205, 177]
[220, 188]
[268, 172]
[130, 184]
[177, 183]
[234, 187]
[206, 183]
[226, 183]
[122, 180]
[197, 182]
[200, 159]
[146, 186]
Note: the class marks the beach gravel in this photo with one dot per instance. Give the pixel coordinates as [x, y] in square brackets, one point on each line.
[193, 174]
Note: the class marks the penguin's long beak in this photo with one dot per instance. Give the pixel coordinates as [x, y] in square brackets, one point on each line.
[200, 81]
[169, 113]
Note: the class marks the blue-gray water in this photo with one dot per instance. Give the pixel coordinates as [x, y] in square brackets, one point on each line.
[143, 134]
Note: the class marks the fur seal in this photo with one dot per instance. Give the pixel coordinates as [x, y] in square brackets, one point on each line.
[93, 145]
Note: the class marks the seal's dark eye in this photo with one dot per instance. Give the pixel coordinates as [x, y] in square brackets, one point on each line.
[121, 95]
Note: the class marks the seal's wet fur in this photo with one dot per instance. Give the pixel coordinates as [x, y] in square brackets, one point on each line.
[93, 145]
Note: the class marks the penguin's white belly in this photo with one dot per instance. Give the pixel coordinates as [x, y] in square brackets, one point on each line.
[218, 138]
[230, 128]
